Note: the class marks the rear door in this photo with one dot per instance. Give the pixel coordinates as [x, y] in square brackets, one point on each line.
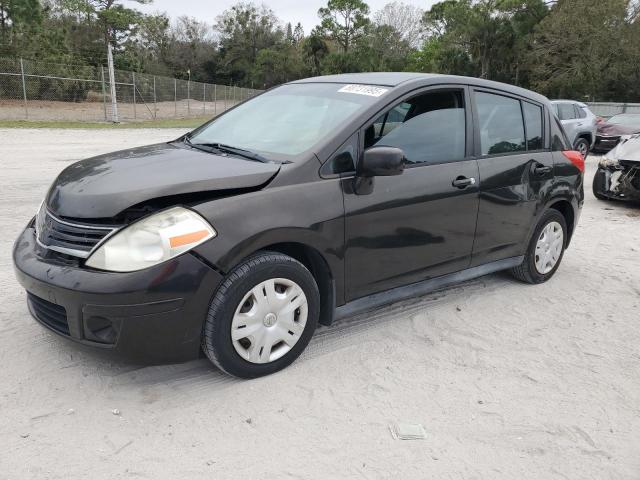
[516, 172]
[419, 224]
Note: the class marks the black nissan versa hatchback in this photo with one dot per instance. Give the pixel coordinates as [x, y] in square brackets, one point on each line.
[310, 202]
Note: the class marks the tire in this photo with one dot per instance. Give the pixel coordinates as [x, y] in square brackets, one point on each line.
[231, 356]
[599, 185]
[528, 272]
[582, 145]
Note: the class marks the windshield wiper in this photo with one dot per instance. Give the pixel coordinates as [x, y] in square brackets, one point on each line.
[220, 147]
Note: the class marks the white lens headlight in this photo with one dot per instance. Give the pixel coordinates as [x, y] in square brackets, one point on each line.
[152, 240]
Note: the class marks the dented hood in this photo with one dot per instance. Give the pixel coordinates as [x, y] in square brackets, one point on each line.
[628, 149]
[104, 186]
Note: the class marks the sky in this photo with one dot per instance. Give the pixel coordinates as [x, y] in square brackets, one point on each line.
[294, 11]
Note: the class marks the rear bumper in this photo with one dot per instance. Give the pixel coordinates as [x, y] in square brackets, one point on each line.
[153, 315]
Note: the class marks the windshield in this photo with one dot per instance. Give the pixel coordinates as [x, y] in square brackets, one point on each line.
[629, 120]
[287, 120]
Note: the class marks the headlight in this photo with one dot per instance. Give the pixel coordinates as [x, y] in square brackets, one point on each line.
[607, 162]
[152, 240]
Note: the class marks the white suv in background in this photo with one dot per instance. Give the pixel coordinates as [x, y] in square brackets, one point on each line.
[579, 123]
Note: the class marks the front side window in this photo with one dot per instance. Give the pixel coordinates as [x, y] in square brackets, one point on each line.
[429, 128]
[500, 123]
[287, 120]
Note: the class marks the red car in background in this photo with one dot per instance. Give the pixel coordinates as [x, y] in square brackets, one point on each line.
[609, 131]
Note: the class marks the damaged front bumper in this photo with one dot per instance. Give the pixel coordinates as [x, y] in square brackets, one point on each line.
[619, 180]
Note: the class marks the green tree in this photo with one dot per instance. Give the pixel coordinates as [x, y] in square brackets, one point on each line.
[592, 55]
[344, 21]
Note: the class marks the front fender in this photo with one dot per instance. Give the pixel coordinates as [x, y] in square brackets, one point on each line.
[311, 214]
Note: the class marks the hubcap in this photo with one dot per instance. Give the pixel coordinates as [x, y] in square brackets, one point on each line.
[549, 247]
[583, 148]
[269, 320]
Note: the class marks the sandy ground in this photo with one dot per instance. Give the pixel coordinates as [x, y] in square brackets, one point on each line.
[95, 111]
[510, 381]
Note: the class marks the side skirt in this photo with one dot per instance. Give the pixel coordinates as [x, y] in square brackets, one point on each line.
[376, 300]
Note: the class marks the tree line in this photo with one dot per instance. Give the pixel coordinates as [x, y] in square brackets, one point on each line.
[580, 49]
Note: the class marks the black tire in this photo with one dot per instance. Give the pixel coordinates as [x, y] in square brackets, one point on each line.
[527, 271]
[598, 185]
[216, 337]
[582, 145]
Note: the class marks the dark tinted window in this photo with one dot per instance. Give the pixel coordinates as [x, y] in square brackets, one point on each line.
[500, 123]
[533, 122]
[344, 160]
[566, 111]
[429, 128]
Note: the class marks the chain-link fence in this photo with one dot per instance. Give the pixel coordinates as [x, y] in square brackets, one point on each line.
[48, 91]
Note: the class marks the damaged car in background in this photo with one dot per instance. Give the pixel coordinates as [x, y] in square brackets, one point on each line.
[611, 131]
[618, 175]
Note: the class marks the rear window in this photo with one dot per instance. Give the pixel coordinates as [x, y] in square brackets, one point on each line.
[501, 124]
[566, 111]
[533, 123]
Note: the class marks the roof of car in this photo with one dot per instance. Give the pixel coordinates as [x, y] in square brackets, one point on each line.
[395, 79]
[388, 79]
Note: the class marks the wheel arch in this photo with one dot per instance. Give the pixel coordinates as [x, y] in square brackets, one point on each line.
[315, 262]
[588, 136]
[566, 209]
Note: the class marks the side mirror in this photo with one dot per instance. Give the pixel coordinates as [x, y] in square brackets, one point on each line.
[381, 162]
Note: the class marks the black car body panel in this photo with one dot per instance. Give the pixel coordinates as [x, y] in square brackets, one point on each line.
[367, 241]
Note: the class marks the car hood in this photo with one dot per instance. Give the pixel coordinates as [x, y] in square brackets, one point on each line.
[614, 129]
[104, 186]
[627, 150]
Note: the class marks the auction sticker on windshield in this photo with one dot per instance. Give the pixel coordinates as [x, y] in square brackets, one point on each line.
[364, 90]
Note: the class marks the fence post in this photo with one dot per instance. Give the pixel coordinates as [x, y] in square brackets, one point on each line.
[215, 100]
[204, 98]
[226, 94]
[133, 77]
[104, 93]
[24, 89]
[155, 106]
[189, 97]
[112, 85]
[624, 107]
[175, 97]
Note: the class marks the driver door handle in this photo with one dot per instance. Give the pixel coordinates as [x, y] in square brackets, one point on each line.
[542, 169]
[463, 182]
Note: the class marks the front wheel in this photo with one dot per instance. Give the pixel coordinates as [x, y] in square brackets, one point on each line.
[545, 249]
[262, 316]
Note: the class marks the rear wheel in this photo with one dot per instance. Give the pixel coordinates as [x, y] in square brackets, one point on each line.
[262, 316]
[582, 146]
[545, 249]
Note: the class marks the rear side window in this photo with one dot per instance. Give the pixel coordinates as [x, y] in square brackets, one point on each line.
[580, 112]
[500, 123]
[559, 140]
[533, 123]
[429, 128]
[566, 111]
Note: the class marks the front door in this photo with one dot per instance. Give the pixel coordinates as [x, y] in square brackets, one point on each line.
[419, 224]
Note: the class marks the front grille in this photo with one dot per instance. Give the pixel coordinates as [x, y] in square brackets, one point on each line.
[52, 315]
[69, 237]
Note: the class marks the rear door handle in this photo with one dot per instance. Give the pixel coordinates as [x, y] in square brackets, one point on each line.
[463, 182]
[542, 170]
